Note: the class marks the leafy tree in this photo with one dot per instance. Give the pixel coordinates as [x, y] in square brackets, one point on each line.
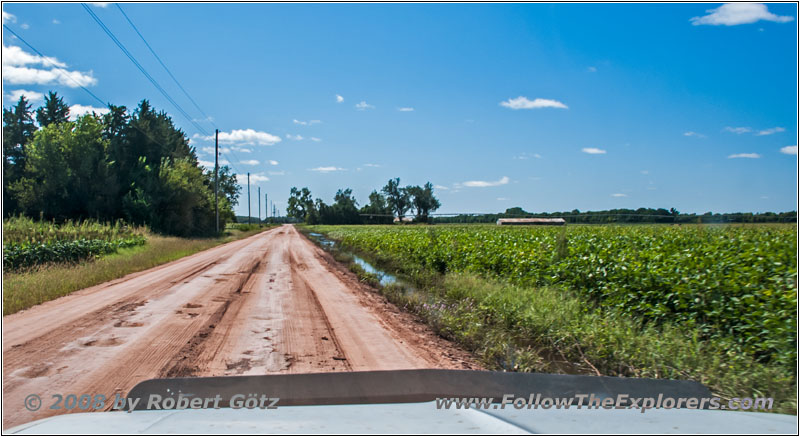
[300, 204]
[424, 201]
[18, 130]
[54, 110]
[398, 198]
[377, 205]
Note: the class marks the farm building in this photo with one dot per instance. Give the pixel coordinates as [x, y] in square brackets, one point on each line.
[532, 221]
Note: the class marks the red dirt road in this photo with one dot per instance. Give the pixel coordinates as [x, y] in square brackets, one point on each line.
[270, 303]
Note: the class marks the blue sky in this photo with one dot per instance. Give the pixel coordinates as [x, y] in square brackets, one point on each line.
[546, 107]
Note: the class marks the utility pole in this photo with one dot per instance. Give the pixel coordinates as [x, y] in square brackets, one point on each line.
[266, 207]
[259, 206]
[216, 171]
[248, 197]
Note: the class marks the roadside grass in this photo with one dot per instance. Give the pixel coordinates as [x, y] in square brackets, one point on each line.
[22, 290]
[551, 329]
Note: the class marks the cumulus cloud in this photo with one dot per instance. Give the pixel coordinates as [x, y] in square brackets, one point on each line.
[771, 131]
[339, 99]
[76, 111]
[241, 149]
[789, 150]
[327, 169]
[592, 69]
[315, 139]
[206, 164]
[294, 137]
[250, 162]
[306, 123]
[55, 21]
[255, 178]
[372, 165]
[405, 109]
[693, 134]
[619, 195]
[441, 187]
[100, 4]
[737, 130]
[732, 14]
[362, 105]
[523, 103]
[21, 68]
[593, 151]
[745, 155]
[244, 137]
[30, 96]
[525, 155]
[502, 181]
[9, 18]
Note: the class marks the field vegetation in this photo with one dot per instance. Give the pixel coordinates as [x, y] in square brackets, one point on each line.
[716, 304]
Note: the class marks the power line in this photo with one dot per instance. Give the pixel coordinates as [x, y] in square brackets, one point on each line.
[163, 65]
[139, 66]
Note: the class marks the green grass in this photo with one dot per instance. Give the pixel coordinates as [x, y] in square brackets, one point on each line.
[26, 289]
[516, 325]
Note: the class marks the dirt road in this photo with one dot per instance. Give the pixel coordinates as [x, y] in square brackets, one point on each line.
[270, 303]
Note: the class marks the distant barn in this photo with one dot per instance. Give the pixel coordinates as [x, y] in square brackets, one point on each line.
[532, 221]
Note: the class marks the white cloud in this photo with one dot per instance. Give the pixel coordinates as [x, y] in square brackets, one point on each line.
[25, 26]
[789, 150]
[441, 187]
[17, 70]
[327, 169]
[771, 131]
[619, 195]
[250, 162]
[738, 130]
[9, 18]
[523, 103]
[16, 57]
[306, 123]
[315, 139]
[745, 155]
[645, 172]
[405, 109]
[206, 164]
[731, 14]
[243, 136]
[503, 181]
[277, 173]
[294, 137]
[210, 150]
[372, 165]
[693, 134]
[55, 21]
[593, 151]
[339, 99]
[592, 69]
[100, 4]
[273, 162]
[76, 111]
[255, 178]
[31, 96]
[526, 155]
[242, 149]
[364, 105]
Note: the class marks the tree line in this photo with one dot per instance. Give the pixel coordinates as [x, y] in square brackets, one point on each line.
[135, 166]
[392, 201]
[640, 215]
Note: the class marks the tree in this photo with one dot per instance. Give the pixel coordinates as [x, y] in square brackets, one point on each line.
[377, 205]
[54, 110]
[424, 201]
[398, 198]
[345, 208]
[300, 204]
[18, 130]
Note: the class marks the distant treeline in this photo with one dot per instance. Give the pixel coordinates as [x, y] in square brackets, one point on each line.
[138, 167]
[393, 200]
[641, 215]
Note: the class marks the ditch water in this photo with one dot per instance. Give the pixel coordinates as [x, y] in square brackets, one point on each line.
[383, 277]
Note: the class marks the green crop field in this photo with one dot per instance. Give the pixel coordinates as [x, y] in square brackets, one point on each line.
[726, 290]
[28, 243]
